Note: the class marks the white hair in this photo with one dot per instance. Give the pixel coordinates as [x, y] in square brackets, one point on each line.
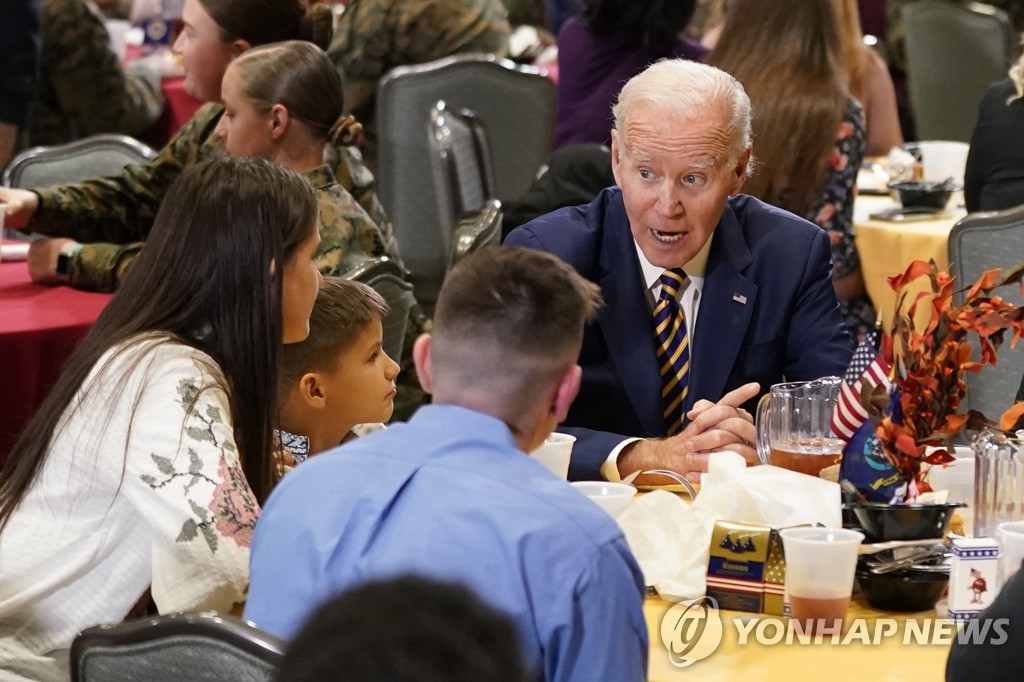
[681, 85]
[1017, 77]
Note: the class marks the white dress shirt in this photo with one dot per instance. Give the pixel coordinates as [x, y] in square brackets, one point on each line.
[689, 301]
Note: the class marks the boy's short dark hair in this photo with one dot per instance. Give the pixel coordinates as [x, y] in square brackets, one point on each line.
[343, 309]
[407, 629]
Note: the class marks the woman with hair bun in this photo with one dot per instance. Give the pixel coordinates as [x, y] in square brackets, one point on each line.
[99, 224]
[284, 102]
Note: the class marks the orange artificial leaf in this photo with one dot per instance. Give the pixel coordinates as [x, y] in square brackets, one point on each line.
[1011, 419]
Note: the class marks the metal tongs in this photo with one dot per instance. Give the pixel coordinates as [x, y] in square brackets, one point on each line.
[930, 558]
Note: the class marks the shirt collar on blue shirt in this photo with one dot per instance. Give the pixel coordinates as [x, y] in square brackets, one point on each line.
[464, 420]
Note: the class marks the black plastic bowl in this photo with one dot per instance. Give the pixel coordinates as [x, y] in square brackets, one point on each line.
[882, 522]
[906, 590]
[923, 194]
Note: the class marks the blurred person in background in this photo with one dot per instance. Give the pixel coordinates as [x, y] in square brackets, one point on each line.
[994, 177]
[375, 36]
[93, 220]
[83, 88]
[869, 82]
[19, 69]
[607, 44]
[808, 128]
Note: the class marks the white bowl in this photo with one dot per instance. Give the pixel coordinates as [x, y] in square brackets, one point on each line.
[612, 497]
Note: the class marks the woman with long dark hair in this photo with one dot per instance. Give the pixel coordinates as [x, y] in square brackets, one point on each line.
[808, 129]
[146, 464]
[609, 43]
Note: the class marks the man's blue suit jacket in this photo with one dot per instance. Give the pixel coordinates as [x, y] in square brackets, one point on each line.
[768, 313]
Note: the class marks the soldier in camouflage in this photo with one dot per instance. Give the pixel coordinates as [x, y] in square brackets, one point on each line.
[83, 89]
[374, 36]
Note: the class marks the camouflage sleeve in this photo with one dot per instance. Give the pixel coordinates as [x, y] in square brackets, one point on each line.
[373, 36]
[353, 175]
[84, 75]
[102, 267]
[347, 233]
[120, 208]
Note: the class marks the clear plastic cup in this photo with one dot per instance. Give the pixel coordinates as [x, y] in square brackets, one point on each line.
[820, 565]
[555, 452]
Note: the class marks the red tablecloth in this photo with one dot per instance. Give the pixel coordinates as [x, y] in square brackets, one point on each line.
[177, 111]
[39, 327]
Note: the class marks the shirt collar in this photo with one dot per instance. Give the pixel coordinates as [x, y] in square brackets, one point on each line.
[321, 177]
[449, 418]
[694, 268]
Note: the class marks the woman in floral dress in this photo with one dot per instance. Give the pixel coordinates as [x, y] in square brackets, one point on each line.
[142, 473]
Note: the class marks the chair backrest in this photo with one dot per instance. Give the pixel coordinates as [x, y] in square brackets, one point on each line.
[90, 157]
[182, 647]
[515, 103]
[980, 242]
[462, 169]
[954, 52]
[477, 230]
[388, 279]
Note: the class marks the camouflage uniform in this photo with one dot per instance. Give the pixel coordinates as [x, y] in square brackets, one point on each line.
[374, 36]
[83, 90]
[120, 209]
[347, 235]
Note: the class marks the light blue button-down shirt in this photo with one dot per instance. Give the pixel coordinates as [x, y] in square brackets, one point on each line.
[450, 496]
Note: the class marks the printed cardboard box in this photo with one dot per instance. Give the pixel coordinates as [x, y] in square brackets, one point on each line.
[746, 569]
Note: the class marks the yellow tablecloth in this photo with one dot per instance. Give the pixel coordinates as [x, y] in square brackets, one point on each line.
[890, 659]
[887, 248]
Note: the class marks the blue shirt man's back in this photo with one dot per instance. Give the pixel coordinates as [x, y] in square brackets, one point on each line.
[450, 496]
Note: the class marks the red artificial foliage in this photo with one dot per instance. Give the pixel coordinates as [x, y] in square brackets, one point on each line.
[929, 364]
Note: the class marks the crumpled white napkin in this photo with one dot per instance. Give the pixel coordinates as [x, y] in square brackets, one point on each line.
[671, 539]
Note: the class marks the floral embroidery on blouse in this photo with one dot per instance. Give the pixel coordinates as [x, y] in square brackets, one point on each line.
[231, 512]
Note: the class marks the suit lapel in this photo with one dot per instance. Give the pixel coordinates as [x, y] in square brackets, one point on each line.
[626, 323]
[726, 306]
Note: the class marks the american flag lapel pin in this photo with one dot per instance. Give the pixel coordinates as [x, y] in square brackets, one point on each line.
[739, 298]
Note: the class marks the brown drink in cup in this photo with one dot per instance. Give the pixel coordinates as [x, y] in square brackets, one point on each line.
[820, 564]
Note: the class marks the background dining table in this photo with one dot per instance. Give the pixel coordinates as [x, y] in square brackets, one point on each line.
[39, 327]
[887, 248]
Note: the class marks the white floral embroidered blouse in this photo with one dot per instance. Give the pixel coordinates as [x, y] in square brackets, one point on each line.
[101, 524]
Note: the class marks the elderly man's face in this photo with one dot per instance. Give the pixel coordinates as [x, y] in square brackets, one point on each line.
[675, 176]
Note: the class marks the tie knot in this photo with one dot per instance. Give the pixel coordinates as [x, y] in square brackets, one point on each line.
[671, 282]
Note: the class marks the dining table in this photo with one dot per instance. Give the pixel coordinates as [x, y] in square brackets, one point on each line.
[886, 247]
[875, 645]
[39, 328]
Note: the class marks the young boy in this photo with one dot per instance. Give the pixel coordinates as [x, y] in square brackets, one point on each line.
[339, 376]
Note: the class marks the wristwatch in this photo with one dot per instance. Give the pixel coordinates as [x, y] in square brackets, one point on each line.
[67, 252]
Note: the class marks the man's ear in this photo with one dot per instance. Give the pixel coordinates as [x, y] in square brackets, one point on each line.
[741, 171]
[565, 393]
[421, 358]
[616, 150]
[312, 390]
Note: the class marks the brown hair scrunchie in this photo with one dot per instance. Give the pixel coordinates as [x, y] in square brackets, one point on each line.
[345, 131]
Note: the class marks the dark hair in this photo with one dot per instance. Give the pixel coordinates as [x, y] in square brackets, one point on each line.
[270, 21]
[507, 320]
[204, 279]
[407, 629]
[303, 78]
[343, 309]
[651, 24]
[788, 56]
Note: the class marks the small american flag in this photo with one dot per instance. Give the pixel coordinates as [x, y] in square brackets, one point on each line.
[866, 366]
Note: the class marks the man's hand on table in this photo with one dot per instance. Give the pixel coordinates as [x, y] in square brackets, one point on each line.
[712, 426]
[21, 206]
[42, 260]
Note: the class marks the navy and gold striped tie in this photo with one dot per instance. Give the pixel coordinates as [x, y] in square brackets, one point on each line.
[673, 348]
